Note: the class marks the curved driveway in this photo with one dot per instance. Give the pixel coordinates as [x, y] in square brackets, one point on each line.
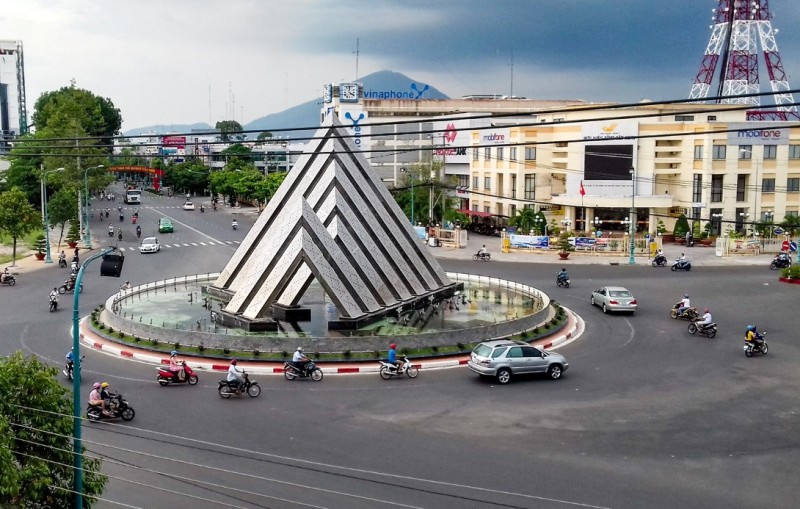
[646, 416]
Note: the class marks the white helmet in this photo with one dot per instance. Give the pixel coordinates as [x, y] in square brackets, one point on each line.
[299, 348]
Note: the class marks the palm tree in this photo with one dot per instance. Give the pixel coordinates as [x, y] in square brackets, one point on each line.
[524, 220]
[791, 224]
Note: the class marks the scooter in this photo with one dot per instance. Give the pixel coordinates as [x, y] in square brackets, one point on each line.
[8, 280]
[690, 314]
[133, 219]
[780, 262]
[68, 368]
[290, 371]
[62, 262]
[117, 408]
[119, 235]
[753, 347]
[235, 225]
[484, 257]
[227, 389]
[682, 264]
[660, 261]
[53, 303]
[202, 208]
[708, 331]
[562, 281]
[388, 370]
[69, 286]
[110, 231]
[166, 377]
[138, 232]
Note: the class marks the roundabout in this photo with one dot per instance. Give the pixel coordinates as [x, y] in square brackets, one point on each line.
[647, 415]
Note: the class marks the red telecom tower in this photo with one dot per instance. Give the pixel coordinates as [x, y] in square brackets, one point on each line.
[739, 25]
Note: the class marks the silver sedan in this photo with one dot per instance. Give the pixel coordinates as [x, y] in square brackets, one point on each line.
[613, 298]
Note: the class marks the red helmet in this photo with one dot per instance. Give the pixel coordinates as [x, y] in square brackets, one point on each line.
[233, 361]
[392, 346]
[706, 310]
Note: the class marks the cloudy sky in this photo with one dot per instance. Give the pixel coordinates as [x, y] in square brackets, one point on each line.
[183, 61]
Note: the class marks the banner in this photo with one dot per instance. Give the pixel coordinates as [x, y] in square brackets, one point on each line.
[534, 241]
[585, 242]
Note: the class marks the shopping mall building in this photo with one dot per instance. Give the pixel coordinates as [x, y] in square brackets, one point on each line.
[585, 165]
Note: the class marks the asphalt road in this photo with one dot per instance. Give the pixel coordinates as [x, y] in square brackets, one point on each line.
[646, 416]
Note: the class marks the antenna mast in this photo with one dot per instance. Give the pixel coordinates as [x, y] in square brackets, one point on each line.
[357, 41]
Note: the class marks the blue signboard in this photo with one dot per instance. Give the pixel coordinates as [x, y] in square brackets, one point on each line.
[584, 242]
[421, 230]
[793, 246]
[534, 241]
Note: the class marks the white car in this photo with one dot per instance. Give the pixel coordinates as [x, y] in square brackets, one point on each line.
[149, 245]
[188, 206]
[613, 298]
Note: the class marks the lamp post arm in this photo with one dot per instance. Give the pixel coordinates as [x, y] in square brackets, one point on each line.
[77, 447]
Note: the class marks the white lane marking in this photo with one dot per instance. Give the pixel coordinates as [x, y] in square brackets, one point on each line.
[633, 331]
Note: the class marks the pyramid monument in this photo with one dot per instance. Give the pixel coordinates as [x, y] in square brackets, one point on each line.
[332, 220]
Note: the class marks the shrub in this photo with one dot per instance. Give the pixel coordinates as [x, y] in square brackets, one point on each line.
[177, 345]
[681, 226]
[201, 347]
[435, 349]
[285, 354]
[376, 354]
[791, 272]
[256, 353]
[536, 330]
[523, 334]
[111, 330]
[460, 345]
[346, 354]
[120, 334]
[154, 342]
[226, 351]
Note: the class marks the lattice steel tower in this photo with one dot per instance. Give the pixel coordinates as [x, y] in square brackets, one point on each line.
[739, 25]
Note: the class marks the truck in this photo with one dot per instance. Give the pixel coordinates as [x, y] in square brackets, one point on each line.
[133, 196]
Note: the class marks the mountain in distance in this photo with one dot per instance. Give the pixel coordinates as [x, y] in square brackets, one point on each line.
[306, 114]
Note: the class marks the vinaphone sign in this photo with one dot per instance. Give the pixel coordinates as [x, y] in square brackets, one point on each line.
[414, 92]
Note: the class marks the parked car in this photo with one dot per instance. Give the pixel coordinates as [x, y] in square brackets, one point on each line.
[503, 358]
[165, 225]
[188, 206]
[149, 245]
[613, 298]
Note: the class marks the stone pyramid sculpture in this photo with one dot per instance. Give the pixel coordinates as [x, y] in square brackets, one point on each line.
[334, 221]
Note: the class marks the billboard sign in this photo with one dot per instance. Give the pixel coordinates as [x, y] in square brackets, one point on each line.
[530, 241]
[755, 134]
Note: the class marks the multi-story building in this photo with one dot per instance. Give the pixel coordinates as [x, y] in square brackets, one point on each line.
[586, 166]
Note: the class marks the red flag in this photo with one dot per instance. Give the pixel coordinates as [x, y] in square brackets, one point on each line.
[583, 191]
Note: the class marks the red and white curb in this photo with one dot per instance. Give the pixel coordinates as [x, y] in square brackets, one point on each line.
[99, 344]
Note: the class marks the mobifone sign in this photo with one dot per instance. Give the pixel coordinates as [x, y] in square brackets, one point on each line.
[755, 134]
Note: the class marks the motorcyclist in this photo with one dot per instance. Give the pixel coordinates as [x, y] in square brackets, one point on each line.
[96, 398]
[706, 320]
[105, 395]
[4, 275]
[562, 276]
[176, 365]
[300, 360]
[483, 252]
[235, 224]
[684, 304]
[138, 231]
[393, 357]
[202, 208]
[753, 336]
[70, 359]
[110, 230]
[234, 375]
[62, 258]
[54, 295]
[126, 286]
[119, 233]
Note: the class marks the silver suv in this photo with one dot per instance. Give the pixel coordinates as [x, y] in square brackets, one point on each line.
[503, 358]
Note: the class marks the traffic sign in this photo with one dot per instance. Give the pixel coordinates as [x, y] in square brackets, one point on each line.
[778, 231]
[793, 246]
[785, 245]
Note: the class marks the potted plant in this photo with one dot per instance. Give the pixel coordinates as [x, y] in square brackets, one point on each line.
[39, 244]
[73, 236]
[564, 245]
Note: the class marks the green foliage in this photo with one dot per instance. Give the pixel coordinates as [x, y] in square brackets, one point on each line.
[523, 220]
[265, 135]
[791, 225]
[230, 130]
[791, 272]
[188, 176]
[17, 216]
[660, 228]
[36, 438]
[681, 226]
[564, 244]
[61, 209]
[73, 235]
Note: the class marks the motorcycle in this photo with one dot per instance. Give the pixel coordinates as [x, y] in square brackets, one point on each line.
[682, 264]
[484, 257]
[119, 236]
[708, 331]
[68, 368]
[660, 261]
[62, 262]
[117, 408]
[69, 286]
[133, 219]
[110, 231]
[690, 314]
[138, 232]
[780, 262]
[388, 370]
[290, 371]
[235, 225]
[202, 208]
[53, 303]
[227, 389]
[753, 347]
[8, 280]
[166, 377]
[562, 281]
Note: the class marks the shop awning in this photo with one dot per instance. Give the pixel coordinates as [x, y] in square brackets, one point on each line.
[474, 213]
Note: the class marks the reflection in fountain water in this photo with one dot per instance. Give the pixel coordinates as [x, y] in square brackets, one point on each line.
[186, 306]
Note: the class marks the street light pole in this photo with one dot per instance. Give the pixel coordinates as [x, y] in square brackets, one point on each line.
[411, 178]
[47, 258]
[87, 239]
[77, 446]
[631, 259]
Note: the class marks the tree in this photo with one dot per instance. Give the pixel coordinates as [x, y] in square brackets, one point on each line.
[64, 110]
[681, 226]
[264, 135]
[524, 219]
[791, 224]
[17, 217]
[61, 209]
[36, 439]
[230, 130]
[224, 183]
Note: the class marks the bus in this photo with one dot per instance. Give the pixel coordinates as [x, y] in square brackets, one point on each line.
[133, 196]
